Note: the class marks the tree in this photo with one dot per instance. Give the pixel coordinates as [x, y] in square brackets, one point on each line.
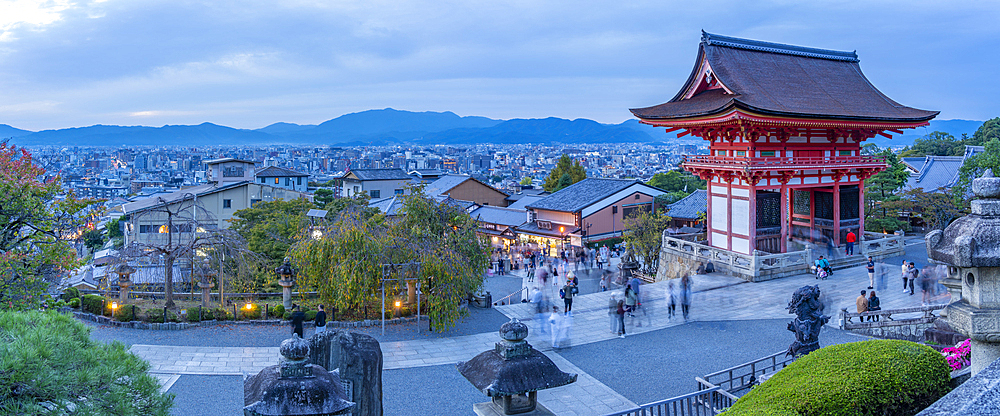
[271, 227]
[937, 143]
[677, 181]
[345, 265]
[564, 181]
[989, 131]
[644, 234]
[881, 199]
[93, 239]
[322, 197]
[564, 166]
[526, 180]
[975, 166]
[34, 228]
[937, 209]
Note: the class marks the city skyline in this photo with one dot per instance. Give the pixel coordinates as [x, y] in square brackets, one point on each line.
[249, 65]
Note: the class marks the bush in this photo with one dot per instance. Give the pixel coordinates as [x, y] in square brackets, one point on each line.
[287, 315]
[310, 315]
[206, 314]
[221, 314]
[71, 293]
[93, 304]
[49, 357]
[278, 311]
[125, 313]
[155, 315]
[877, 377]
[251, 313]
[74, 303]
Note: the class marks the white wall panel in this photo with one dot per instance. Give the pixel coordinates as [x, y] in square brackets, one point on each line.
[741, 217]
[741, 192]
[719, 240]
[741, 245]
[720, 215]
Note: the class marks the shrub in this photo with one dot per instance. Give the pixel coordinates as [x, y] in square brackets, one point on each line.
[71, 293]
[74, 303]
[253, 313]
[125, 313]
[877, 377]
[156, 316]
[49, 357]
[287, 315]
[221, 314]
[310, 315]
[93, 304]
[278, 311]
[194, 316]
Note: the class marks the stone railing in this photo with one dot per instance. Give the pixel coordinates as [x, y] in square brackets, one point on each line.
[881, 246]
[911, 329]
[757, 267]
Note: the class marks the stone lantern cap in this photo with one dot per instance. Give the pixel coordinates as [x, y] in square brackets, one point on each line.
[972, 240]
[294, 387]
[125, 270]
[513, 366]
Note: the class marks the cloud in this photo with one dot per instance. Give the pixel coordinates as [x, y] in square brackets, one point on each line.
[249, 63]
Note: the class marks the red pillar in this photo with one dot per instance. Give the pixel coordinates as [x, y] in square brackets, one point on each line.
[836, 214]
[708, 215]
[784, 218]
[729, 214]
[752, 231]
[861, 210]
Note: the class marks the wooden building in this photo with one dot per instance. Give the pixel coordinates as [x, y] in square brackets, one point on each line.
[785, 126]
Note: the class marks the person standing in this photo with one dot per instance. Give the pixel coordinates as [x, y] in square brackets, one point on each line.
[567, 293]
[555, 319]
[671, 300]
[686, 295]
[926, 286]
[905, 274]
[874, 305]
[541, 306]
[862, 303]
[320, 321]
[914, 273]
[297, 318]
[630, 300]
[613, 313]
[621, 319]
[851, 238]
[871, 273]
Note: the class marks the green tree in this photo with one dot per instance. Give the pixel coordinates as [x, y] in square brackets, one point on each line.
[271, 227]
[644, 234]
[937, 143]
[881, 199]
[345, 265]
[322, 197]
[34, 228]
[526, 180]
[936, 208]
[93, 239]
[565, 165]
[677, 181]
[564, 181]
[975, 166]
[989, 131]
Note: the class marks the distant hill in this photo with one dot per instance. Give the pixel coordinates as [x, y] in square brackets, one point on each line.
[952, 127]
[373, 127]
[7, 132]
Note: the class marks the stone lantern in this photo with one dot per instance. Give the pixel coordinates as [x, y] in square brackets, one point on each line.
[286, 276]
[294, 387]
[512, 373]
[206, 283]
[124, 281]
[970, 246]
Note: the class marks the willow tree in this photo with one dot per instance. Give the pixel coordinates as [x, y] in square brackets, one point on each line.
[644, 235]
[346, 264]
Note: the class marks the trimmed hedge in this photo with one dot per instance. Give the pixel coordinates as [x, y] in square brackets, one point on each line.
[49, 357]
[125, 313]
[877, 377]
[93, 304]
[253, 313]
[74, 303]
[71, 293]
[278, 311]
[221, 314]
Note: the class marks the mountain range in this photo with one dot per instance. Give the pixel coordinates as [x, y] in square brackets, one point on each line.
[389, 127]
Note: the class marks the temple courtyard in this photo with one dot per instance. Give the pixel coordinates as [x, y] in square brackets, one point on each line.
[732, 322]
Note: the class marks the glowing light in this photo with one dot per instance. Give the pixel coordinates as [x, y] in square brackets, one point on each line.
[164, 229]
[562, 229]
[398, 303]
[114, 305]
[249, 306]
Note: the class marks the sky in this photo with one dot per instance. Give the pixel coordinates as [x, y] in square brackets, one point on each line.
[247, 63]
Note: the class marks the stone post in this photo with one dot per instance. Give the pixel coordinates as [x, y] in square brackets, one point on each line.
[124, 282]
[206, 283]
[411, 292]
[971, 245]
[286, 281]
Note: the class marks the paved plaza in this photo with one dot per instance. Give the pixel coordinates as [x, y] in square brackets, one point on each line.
[731, 322]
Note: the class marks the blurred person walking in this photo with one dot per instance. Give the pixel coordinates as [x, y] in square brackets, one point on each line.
[613, 313]
[672, 297]
[685, 290]
[541, 307]
[621, 319]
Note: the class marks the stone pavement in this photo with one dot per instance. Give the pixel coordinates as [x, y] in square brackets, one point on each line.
[716, 298]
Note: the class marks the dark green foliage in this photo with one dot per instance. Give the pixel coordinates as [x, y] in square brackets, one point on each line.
[883, 204]
[221, 314]
[310, 315]
[206, 314]
[936, 143]
[93, 239]
[322, 197]
[878, 377]
[287, 315]
[124, 313]
[677, 181]
[253, 313]
[93, 304]
[990, 130]
[155, 315]
[278, 311]
[74, 303]
[48, 357]
[71, 293]
[975, 166]
[565, 166]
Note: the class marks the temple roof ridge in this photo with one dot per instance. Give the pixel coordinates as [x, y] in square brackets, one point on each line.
[756, 45]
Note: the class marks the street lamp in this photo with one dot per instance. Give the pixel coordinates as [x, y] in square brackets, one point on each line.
[114, 306]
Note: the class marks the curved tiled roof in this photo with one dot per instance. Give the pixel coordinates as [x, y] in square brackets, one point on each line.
[272, 171]
[690, 206]
[582, 194]
[782, 80]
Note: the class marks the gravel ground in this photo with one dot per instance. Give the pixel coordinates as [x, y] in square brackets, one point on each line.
[478, 321]
[663, 364]
[208, 395]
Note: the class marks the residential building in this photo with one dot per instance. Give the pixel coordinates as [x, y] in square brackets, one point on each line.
[498, 224]
[283, 178]
[376, 183]
[466, 188]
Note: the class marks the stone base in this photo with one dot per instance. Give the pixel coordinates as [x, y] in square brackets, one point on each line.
[488, 409]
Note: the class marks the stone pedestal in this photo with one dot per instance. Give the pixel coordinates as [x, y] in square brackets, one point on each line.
[123, 291]
[206, 293]
[358, 358]
[489, 409]
[411, 292]
[286, 293]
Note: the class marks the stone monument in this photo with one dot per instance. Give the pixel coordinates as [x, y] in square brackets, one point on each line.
[206, 283]
[359, 359]
[286, 273]
[124, 281]
[512, 373]
[971, 247]
[294, 387]
[806, 306]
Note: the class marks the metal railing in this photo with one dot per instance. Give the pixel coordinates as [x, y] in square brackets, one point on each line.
[767, 163]
[885, 317]
[738, 379]
[507, 300]
[707, 402]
